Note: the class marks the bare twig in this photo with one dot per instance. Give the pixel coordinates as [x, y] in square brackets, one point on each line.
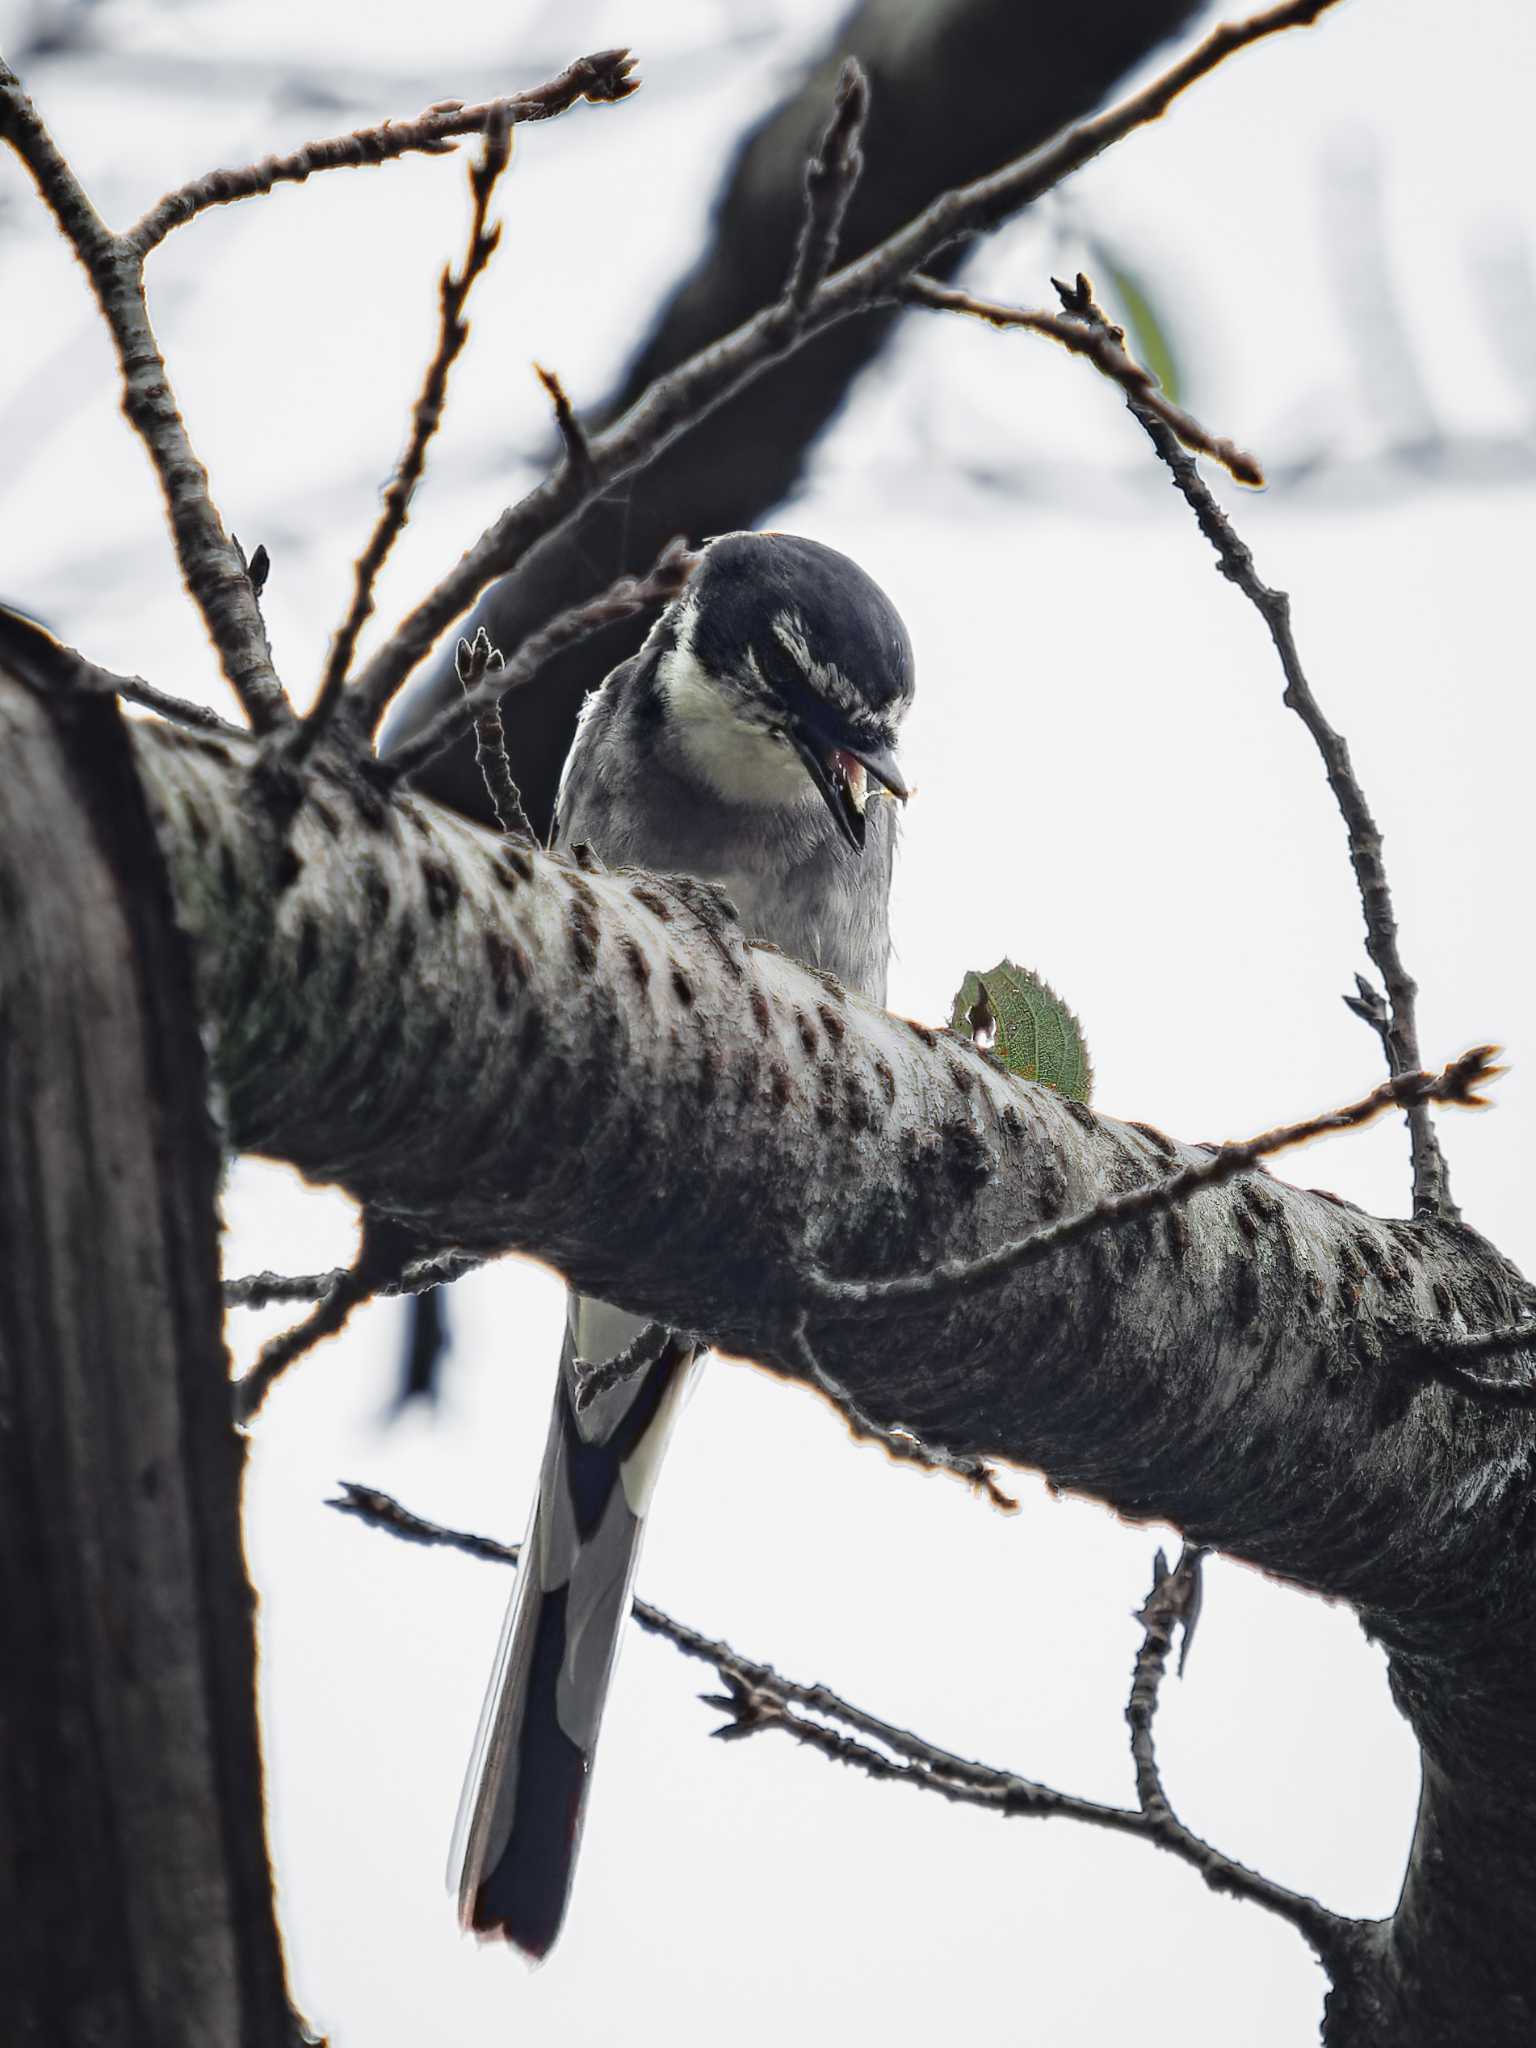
[1460, 1082]
[475, 660]
[895, 1440]
[605, 77]
[214, 574]
[261, 1290]
[382, 1260]
[1105, 349]
[621, 600]
[1431, 1183]
[830, 178]
[757, 1699]
[426, 416]
[678, 401]
[572, 434]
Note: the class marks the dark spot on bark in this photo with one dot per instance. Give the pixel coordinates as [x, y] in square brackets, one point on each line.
[831, 984]
[586, 858]
[1080, 1113]
[762, 1016]
[229, 873]
[1348, 1292]
[309, 947]
[1053, 1190]
[498, 958]
[371, 807]
[512, 865]
[1314, 1293]
[287, 871]
[856, 1098]
[635, 960]
[1373, 1255]
[962, 1077]
[966, 1161]
[1247, 1293]
[807, 1030]
[197, 825]
[376, 896]
[530, 1035]
[442, 887]
[652, 900]
[1177, 1224]
[748, 1072]
[414, 818]
[328, 820]
[709, 1073]
[682, 988]
[831, 1023]
[780, 1087]
[346, 982]
[1011, 1121]
[1247, 1226]
[886, 1079]
[1349, 1262]
[921, 1032]
[583, 931]
[1444, 1306]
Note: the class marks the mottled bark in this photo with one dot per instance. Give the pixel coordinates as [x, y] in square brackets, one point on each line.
[135, 1900]
[499, 1047]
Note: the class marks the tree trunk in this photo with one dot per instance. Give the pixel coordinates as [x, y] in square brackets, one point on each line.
[135, 1899]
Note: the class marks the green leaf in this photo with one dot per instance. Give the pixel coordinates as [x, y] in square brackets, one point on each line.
[1025, 1023]
[1151, 342]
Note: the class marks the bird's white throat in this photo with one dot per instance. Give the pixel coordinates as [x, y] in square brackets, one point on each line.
[735, 755]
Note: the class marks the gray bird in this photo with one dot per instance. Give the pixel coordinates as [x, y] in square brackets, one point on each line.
[740, 746]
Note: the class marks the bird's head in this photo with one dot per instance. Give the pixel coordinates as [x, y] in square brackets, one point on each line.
[786, 669]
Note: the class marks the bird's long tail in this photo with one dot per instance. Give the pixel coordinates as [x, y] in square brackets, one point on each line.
[525, 1795]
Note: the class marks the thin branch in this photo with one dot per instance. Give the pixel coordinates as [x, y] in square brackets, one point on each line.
[1105, 348]
[214, 573]
[1431, 1182]
[382, 1260]
[261, 1290]
[688, 394]
[426, 417]
[830, 178]
[603, 78]
[757, 1699]
[621, 600]
[895, 1439]
[572, 434]
[1459, 1082]
[474, 660]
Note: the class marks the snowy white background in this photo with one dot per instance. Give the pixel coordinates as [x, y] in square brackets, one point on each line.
[1110, 790]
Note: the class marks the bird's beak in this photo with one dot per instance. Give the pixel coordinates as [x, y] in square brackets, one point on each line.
[840, 775]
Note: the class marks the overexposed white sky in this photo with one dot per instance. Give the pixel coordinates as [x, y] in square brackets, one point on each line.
[1110, 790]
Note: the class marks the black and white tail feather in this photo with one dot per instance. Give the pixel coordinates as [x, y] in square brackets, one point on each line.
[525, 1798]
[745, 745]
